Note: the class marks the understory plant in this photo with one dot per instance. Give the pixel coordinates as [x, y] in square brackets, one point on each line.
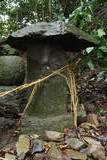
[84, 18]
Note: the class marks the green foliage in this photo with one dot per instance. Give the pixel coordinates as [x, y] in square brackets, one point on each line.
[99, 109]
[17, 14]
[84, 18]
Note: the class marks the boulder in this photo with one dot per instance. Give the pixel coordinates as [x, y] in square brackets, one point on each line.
[12, 70]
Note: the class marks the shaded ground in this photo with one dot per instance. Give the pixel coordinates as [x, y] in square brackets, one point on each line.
[92, 90]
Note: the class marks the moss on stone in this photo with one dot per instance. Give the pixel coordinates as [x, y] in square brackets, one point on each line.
[36, 125]
[12, 70]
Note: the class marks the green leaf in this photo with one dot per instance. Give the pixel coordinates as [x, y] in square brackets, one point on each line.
[101, 32]
[101, 75]
[90, 64]
[89, 49]
[103, 49]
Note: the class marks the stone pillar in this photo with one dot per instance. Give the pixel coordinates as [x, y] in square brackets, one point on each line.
[50, 98]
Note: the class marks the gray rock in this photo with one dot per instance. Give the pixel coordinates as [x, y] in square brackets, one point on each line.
[12, 103]
[33, 124]
[10, 157]
[97, 151]
[37, 147]
[54, 152]
[72, 154]
[93, 141]
[53, 136]
[12, 70]
[22, 146]
[75, 143]
[66, 35]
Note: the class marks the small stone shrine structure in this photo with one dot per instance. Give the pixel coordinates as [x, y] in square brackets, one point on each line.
[44, 46]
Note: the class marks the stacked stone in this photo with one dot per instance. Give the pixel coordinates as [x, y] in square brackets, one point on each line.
[12, 74]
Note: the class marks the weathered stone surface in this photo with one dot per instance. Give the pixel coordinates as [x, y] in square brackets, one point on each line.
[32, 124]
[54, 153]
[53, 136]
[12, 70]
[90, 140]
[13, 103]
[75, 143]
[37, 147]
[39, 156]
[97, 151]
[10, 157]
[22, 146]
[66, 35]
[76, 155]
[50, 97]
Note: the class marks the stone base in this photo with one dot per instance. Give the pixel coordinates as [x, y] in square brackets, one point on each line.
[36, 125]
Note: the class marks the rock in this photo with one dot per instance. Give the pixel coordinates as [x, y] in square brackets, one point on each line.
[37, 147]
[76, 155]
[13, 103]
[103, 138]
[93, 119]
[22, 146]
[99, 155]
[75, 143]
[12, 70]
[47, 32]
[53, 136]
[54, 153]
[97, 151]
[39, 125]
[90, 140]
[10, 157]
[39, 156]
